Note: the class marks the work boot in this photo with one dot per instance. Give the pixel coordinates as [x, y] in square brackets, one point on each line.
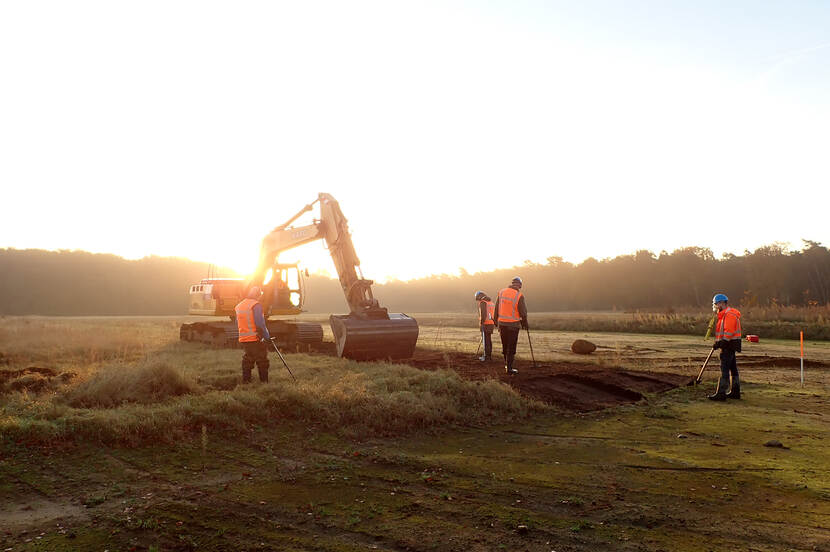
[717, 397]
[510, 369]
[734, 394]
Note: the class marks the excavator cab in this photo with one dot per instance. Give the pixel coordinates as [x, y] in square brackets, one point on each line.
[283, 290]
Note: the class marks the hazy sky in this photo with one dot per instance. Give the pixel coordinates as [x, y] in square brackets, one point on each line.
[454, 134]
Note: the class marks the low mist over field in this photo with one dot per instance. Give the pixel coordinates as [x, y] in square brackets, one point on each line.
[80, 283]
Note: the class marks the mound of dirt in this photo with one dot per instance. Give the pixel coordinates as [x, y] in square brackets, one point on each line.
[583, 347]
[8, 375]
[32, 379]
[566, 385]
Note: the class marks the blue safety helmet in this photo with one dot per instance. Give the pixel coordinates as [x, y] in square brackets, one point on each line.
[479, 294]
[517, 280]
[719, 297]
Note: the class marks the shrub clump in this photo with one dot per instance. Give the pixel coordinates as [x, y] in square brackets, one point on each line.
[145, 383]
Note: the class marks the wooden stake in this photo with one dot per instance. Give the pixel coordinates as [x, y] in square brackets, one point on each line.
[801, 335]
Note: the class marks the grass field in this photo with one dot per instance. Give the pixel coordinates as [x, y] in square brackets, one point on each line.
[770, 323]
[116, 436]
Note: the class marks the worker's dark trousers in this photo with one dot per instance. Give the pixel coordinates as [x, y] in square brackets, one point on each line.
[509, 338]
[255, 353]
[487, 336]
[728, 365]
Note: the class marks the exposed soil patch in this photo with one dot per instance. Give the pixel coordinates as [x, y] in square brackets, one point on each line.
[761, 361]
[566, 385]
[38, 510]
[570, 386]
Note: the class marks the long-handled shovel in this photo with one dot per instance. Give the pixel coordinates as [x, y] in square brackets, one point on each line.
[282, 358]
[529, 342]
[702, 368]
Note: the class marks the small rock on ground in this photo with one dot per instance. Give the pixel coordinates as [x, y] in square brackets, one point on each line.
[583, 347]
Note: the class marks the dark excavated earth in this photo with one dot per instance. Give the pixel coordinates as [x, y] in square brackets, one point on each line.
[570, 386]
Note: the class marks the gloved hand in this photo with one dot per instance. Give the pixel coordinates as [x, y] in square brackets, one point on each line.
[524, 325]
[719, 344]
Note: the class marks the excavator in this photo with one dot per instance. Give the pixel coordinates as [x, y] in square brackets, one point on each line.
[368, 332]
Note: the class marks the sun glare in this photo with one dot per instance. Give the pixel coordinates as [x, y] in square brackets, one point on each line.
[494, 142]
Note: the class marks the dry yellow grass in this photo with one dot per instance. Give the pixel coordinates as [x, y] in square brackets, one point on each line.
[131, 380]
[137, 384]
[150, 381]
[81, 341]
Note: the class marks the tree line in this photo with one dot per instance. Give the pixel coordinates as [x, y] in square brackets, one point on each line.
[81, 283]
[687, 277]
[34, 281]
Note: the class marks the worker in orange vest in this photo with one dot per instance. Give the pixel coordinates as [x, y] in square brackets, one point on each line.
[253, 335]
[511, 318]
[487, 323]
[728, 340]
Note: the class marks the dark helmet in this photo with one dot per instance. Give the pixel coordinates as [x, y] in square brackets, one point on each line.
[517, 280]
[254, 293]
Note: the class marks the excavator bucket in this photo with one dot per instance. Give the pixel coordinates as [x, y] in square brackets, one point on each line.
[374, 338]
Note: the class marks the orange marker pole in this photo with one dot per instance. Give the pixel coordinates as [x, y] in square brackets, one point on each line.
[802, 358]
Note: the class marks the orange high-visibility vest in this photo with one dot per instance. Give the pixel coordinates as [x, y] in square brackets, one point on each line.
[490, 312]
[729, 324]
[509, 305]
[245, 320]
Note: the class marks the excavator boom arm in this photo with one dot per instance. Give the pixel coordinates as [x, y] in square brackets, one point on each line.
[280, 240]
[357, 290]
[334, 229]
[368, 331]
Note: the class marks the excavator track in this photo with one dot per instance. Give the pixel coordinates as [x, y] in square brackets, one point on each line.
[291, 335]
